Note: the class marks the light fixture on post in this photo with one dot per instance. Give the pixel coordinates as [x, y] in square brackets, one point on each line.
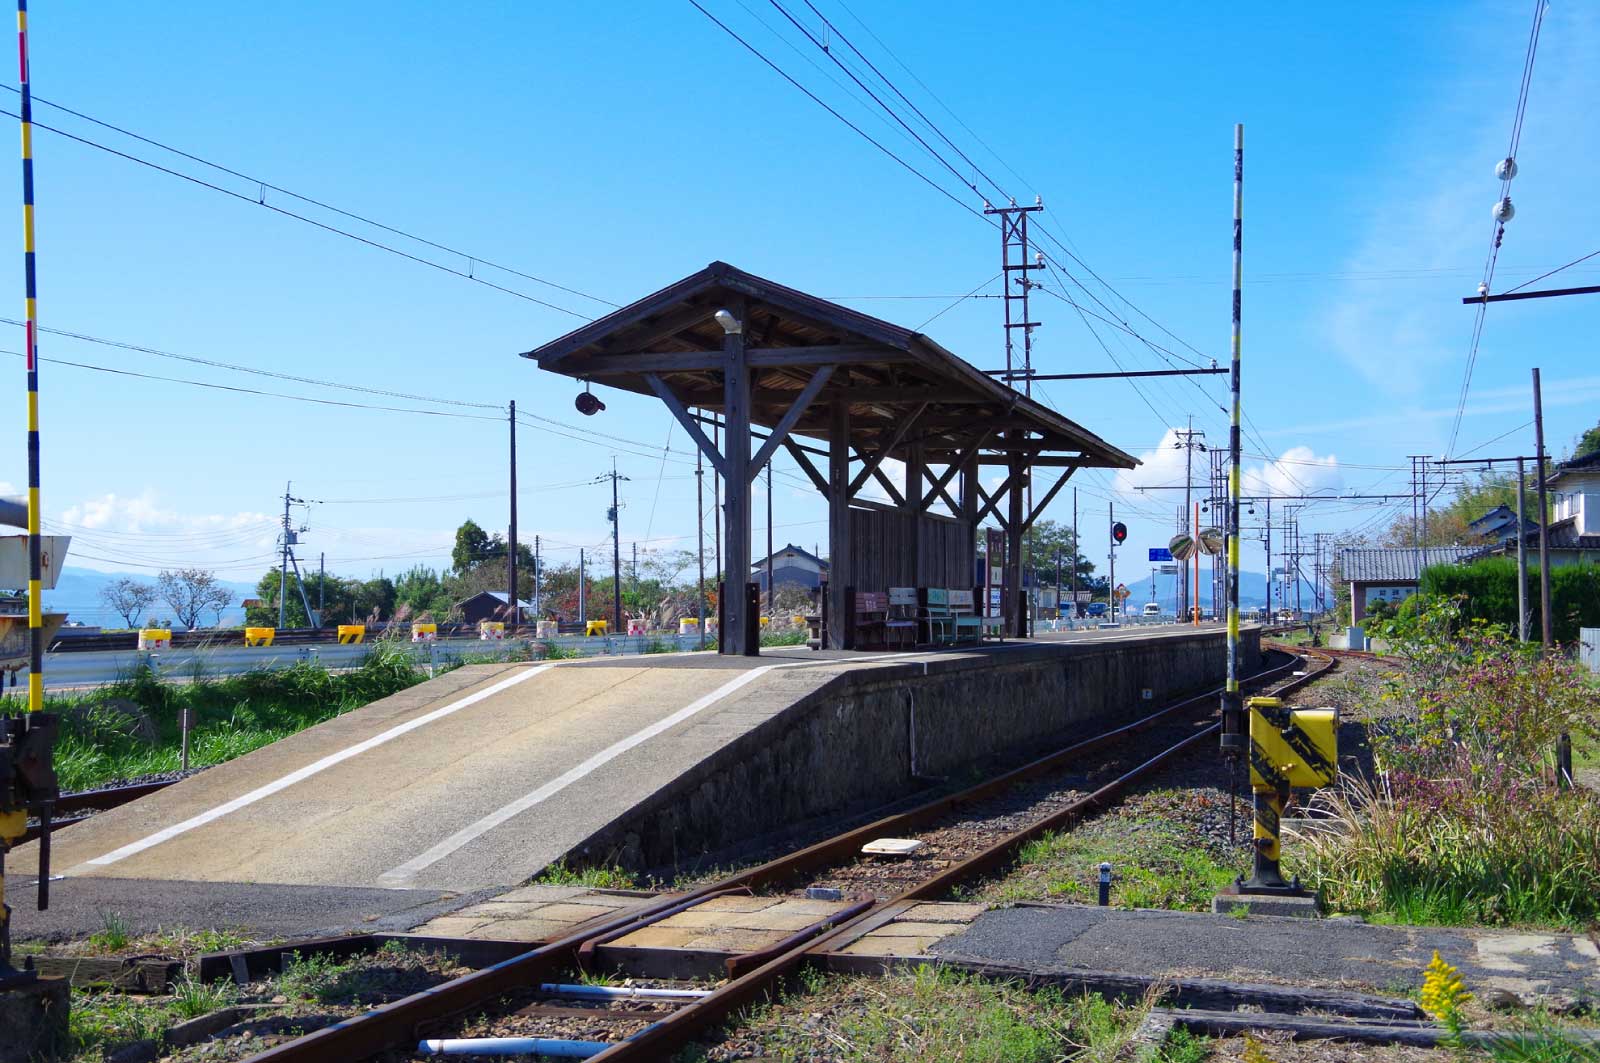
[730, 324]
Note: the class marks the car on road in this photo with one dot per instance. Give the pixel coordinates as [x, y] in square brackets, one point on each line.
[1095, 609]
[1152, 608]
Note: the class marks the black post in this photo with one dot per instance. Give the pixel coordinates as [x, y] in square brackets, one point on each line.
[1546, 629]
[511, 553]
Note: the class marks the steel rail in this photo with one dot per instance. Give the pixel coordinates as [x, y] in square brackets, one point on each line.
[678, 1029]
[395, 1025]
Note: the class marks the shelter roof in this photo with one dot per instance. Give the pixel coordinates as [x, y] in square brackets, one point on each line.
[902, 388]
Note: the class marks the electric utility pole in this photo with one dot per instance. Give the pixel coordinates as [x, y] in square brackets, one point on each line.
[616, 548]
[1186, 440]
[511, 553]
[1546, 632]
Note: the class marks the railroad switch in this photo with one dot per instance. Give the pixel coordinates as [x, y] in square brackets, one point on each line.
[1290, 749]
[27, 787]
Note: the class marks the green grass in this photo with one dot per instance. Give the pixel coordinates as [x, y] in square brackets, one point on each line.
[1155, 863]
[113, 935]
[783, 638]
[130, 728]
[1181, 1046]
[602, 878]
[935, 1016]
[1538, 1038]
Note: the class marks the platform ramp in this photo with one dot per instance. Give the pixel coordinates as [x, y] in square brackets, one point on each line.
[477, 779]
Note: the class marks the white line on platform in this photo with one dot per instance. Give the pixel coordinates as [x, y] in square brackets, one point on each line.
[403, 874]
[309, 770]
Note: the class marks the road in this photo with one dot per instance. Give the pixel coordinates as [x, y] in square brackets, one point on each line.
[79, 669]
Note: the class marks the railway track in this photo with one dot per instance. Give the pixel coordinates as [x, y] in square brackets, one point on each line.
[77, 807]
[965, 835]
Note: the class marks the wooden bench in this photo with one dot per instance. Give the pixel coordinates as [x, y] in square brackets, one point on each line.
[968, 625]
[869, 620]
[900, 629]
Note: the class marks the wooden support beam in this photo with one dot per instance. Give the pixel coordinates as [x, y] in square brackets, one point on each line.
[1038, 508]
[601, 365]
[888, 486]
[780, 431]
[800, 459]
[1017, 607]
[839, 574]
[956, 465]
[991, 502]
[836, 354]
[858, 396]
[1040, 461]
[688, 420]
[939, 492]
[871, 463]
[733, 638]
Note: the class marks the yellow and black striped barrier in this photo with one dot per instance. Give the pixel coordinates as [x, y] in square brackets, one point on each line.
[424, 632]
[1290, 749]
[351, 634]
[259, 636]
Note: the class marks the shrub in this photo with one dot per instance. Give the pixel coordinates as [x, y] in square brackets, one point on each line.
[1463, 825]
[1488, 591]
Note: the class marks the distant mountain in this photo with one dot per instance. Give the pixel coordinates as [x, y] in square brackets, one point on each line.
[1252, 589]
[78, 590]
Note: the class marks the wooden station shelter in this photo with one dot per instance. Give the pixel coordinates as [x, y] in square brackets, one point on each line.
[841, 392]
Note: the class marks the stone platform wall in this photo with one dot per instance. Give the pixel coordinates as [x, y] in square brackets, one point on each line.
[868, 736]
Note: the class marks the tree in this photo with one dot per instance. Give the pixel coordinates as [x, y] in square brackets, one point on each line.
[128, 599]
[421, 593]
[1043, 542]
[192, 591]
[472, 546]
[1588, 443]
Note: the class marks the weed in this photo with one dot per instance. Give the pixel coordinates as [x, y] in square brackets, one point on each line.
[1182, 1046]
[783, 638]
[113, 935]
[550, 651]
[191, 998]
[605, 878]
[104, 1020]
[313, 977]
[1539, 1039]
[99, 742]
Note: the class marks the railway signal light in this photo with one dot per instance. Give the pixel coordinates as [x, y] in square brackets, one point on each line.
[1119, 533]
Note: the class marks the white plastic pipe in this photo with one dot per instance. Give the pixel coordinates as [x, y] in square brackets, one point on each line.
[513, 1046]
[608, 992]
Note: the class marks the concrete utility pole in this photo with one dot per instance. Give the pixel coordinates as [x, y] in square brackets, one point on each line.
[537, 564]
[700, 539]
[515, 613]
[1189, 446]
[616, 549]
[1546, 629]
[770, 588]
[1075, 551]
[583, 612]
[283, 560]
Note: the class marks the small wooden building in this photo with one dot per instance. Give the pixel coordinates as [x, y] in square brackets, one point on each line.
[490, 605]
[773, 367]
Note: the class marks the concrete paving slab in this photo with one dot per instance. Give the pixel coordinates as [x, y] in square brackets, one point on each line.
[874, 945]
[532, 913]
[1327, 953]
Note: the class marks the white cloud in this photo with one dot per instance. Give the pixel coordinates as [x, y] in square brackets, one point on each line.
[1297, 471]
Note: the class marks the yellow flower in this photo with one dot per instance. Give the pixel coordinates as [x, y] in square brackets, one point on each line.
[1443, 991]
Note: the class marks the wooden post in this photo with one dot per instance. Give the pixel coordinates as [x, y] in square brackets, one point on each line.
[839, 574]
[1546, 631]
[733, 637]
[914, 489]
[1016, 608]
[969, 515]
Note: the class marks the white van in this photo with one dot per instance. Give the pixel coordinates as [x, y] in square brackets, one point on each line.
[1152, 608]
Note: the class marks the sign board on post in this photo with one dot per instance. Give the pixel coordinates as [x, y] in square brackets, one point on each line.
[1084, 596]
[1160, 553]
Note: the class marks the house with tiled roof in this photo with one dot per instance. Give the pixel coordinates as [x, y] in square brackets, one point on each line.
[1574, 493]
[1390, 573]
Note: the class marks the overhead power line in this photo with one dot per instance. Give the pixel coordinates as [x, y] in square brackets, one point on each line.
[263, 184]
[261, 202]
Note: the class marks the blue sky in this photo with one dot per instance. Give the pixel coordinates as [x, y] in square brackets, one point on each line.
[614, 151]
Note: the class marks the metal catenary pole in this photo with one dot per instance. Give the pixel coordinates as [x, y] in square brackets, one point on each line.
[616, 555]
[31, 357]
[1232, 703]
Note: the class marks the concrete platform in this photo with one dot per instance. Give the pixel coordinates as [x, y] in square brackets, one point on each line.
[1548, 967]
[477, 780]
